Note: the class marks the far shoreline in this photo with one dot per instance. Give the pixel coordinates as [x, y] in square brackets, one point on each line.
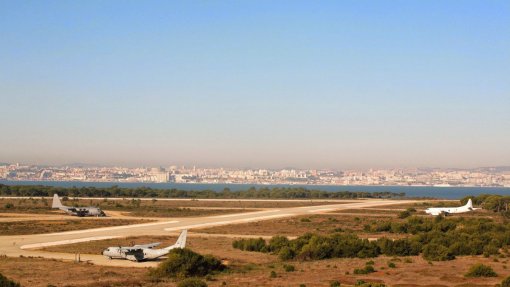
[444, 192]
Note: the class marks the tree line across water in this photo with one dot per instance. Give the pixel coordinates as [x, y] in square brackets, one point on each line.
[250, 193]
[437, 239]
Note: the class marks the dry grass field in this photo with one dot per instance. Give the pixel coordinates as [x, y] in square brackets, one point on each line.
[49, 226]
[252, 268]
[320, 273]
[38, 272]
[295, 226]
[152, 208]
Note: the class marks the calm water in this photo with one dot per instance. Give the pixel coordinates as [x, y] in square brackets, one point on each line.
[411, 191]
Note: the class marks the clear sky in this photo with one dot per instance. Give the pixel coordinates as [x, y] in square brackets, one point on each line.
[306, 84]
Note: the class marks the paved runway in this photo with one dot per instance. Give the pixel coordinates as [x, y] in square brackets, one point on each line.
[24, 244]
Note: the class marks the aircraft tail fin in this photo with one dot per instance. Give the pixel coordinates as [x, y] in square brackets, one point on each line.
[56, 202]
[181, 241]
[469, 204]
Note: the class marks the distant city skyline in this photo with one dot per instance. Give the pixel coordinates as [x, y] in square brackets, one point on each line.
[326, 84]
[486, 177]
[191, 166]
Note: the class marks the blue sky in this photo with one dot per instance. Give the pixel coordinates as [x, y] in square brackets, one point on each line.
[307, 84]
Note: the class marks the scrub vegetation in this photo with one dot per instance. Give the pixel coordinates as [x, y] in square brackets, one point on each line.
[184, 263]
[436, 239]
[5, 282]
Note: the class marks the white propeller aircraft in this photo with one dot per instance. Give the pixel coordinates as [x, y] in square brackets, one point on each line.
[451, 210]
[144, 252]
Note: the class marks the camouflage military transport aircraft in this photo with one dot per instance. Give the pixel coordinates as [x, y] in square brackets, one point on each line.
[143, 252]
[77, 211]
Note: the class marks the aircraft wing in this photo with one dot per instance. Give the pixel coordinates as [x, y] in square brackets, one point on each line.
[150, 245]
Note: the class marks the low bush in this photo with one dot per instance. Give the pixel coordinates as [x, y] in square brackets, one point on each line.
[481, 270]
[289, 268]
[252, 244]
[192, 282]
[182, 263]
[404, 214]
[506, 282]
[368, 269]
[436, 252]
[335, 283]
[5, 282]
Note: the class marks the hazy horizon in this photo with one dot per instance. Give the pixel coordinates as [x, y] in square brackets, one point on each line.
[260, 84]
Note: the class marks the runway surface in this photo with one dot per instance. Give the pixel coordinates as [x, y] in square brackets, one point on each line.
[24, 245]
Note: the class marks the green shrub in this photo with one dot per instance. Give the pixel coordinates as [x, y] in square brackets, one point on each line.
[335, 283]
[273, 274]
[276, 243]
[192, 282]
[4, 282]
[368, 269]
[506, 282]
[362, 283]
[392, 265]
[404, 214]
[286, 253]
[436, 252]
[480, 270]
[182, 263]
[252, 244]
[289, 268]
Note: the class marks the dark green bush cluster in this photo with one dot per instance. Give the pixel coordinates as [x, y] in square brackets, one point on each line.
[252, 244]
[313, 246]
[437, 239]
[4, 282]
[115, 191]
[182, 263]
[448, 237]
[366, 270]
[481, 270]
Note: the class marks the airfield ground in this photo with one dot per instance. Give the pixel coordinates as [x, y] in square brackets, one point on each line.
[214, 235]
